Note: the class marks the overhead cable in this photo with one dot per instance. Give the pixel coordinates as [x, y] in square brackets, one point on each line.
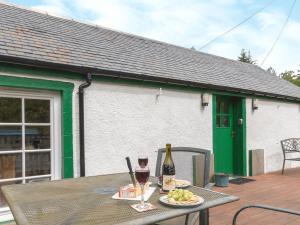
[236, 26]
[280, 32]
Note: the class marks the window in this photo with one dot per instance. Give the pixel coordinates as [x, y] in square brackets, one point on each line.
[223, 116]
[29, 138]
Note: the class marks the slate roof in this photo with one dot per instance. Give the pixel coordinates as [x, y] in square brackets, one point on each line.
[38, 37]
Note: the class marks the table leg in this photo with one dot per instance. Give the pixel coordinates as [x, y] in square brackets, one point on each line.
[204, 217]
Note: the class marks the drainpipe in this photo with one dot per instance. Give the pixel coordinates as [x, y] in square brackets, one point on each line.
[88, 81]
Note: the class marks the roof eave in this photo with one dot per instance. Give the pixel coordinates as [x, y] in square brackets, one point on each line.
[141, 77]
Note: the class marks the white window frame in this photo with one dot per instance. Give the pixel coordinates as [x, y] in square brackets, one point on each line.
[55, 136]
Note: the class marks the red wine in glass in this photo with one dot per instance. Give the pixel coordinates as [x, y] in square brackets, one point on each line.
[143, 161]
[142, 175]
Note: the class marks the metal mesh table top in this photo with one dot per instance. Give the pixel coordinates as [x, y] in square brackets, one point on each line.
[88, 201]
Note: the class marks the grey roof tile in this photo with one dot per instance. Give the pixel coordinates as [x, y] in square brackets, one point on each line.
[32, 35]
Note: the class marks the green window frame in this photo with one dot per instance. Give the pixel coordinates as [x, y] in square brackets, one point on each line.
[223, 115]
[66, 92]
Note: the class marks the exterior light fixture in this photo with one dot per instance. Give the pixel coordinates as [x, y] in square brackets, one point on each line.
[254, 103]
[204, 99]
[159, 93]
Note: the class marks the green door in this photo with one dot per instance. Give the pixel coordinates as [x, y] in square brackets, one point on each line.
[229, 135]
[223, 143]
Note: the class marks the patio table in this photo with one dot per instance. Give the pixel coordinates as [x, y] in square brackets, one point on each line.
[87, 200]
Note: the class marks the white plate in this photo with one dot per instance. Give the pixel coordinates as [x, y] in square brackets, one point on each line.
[165, 201]
[184, 185]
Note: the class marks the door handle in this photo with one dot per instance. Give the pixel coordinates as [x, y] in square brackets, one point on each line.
[233, 133]
[240, 121]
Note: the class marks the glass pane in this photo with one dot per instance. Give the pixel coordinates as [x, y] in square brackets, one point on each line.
[225, 121]
[10, 165]
[2, 199]
[218, 121]
[218, 107]
[10, 138]
[224, 107]
[37, 111]
[10, 110]
[37, 137]
[38, 180]
[37, 163]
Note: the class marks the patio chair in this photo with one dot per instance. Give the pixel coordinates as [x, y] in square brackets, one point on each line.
[288, 211]
[290, 146]
[185, 160]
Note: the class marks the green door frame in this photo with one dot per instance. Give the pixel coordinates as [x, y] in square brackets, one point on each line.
[66, 91]
[243, 164]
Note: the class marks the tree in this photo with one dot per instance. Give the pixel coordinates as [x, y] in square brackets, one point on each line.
[246, 57]
[272, 71]
[291, 76]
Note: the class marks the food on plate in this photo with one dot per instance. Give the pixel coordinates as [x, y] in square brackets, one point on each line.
[178, 183]
[129, 191]
[180, 196]
[182, 183]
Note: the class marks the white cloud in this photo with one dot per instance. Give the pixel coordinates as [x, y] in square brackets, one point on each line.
[51, 10]
[270, 18]
[193, 23]
[53, 7]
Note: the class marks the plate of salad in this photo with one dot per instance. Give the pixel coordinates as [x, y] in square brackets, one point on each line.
[181, 198]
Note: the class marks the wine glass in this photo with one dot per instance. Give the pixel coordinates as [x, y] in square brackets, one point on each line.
[143, 160]
[142, 175]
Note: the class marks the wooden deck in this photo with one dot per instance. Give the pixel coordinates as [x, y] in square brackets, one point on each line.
[271, 189]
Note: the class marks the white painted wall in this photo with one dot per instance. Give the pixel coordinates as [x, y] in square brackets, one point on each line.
[271, 122]
[123, 120]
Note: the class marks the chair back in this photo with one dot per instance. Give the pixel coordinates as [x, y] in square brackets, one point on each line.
[290, 145]
[187, 162]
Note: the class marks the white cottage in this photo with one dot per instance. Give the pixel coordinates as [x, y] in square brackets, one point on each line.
[76, 99]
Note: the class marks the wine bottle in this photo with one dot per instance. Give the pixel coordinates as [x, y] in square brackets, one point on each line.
[168, 171]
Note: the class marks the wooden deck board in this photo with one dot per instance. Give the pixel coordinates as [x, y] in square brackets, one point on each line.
[271, 189]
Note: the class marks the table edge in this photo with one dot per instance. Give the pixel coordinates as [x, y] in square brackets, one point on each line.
[184, 211]
[20, 218]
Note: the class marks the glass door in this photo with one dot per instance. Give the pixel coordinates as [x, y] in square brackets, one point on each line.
[27, 142]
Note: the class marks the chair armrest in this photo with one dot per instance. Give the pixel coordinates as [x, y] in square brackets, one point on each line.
[292, 151]
[288, 211]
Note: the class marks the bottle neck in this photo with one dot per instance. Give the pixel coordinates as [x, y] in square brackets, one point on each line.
[168, 154]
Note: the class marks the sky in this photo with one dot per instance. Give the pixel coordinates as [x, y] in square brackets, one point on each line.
[193, 23]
